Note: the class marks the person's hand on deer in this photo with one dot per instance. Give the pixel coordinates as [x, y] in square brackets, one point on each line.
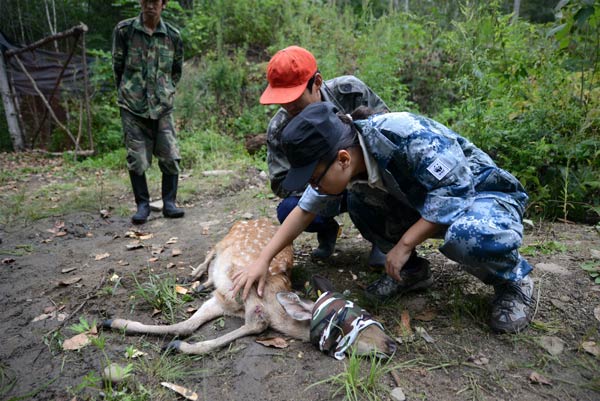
[257, 271]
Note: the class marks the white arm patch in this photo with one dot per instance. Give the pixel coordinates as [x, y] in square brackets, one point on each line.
[438, 169]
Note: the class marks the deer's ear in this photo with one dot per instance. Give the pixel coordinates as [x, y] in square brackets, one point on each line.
[296, 308]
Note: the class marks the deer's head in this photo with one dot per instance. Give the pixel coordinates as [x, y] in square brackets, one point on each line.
[337, 325]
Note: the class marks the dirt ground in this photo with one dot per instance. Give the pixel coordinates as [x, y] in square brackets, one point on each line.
[67, 267]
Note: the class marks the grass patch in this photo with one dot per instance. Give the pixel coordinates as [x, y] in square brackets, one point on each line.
[159, 292]
[474, 307]
[592, 267]
[544, 248]
[90, 185]
[169, 367]
[356, 383]
[7, 380]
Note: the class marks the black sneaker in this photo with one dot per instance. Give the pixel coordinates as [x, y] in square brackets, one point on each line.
[511, 307]
[416, 275]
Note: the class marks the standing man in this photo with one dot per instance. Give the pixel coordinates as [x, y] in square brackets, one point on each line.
[147, 57]
[294, 83]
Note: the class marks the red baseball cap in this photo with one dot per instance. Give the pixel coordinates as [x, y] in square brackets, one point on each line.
[288, 73]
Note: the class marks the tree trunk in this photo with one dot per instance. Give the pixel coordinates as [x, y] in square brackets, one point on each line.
[9, 108]
[516, 9]
[52, 21]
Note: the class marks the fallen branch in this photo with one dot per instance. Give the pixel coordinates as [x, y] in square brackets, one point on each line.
[76, 30]
[84, 153]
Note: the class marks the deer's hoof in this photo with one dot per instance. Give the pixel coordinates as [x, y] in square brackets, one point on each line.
[107, 324]
[172, 346]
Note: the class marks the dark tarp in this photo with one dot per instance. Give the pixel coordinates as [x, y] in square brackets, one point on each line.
[44, 67]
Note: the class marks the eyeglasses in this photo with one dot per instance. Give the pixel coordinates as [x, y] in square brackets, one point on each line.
[315, 182]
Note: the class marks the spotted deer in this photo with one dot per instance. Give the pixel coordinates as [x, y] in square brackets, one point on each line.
[278, 308]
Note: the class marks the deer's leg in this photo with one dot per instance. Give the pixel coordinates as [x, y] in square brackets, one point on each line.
[201, 269]
[209, 310]
[256, 322]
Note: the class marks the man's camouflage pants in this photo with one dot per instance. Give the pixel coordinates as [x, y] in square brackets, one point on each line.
[484, 240]
[145, 137]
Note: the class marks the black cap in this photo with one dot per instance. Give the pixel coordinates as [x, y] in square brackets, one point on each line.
[310, 137]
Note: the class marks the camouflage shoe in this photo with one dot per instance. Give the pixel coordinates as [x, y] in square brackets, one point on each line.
[416, 275]
[511, 307]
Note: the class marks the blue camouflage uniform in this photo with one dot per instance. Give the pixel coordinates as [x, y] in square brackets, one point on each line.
[417, 167]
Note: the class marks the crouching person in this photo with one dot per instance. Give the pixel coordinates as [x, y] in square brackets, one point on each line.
[408, 179]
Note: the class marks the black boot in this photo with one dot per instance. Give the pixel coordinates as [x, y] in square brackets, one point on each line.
[142, 198]
[169, 193]
[327, 238]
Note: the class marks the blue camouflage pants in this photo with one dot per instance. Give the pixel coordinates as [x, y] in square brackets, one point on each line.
[484, 240]
[145, 137]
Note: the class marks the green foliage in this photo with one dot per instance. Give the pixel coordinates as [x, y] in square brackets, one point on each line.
[527, 94]
[544, 248]
[593, 269]
[106, 122]
[83, 326]
[7, 380]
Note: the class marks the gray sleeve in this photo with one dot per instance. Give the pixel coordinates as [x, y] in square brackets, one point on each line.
[277, 163]
[320, 204]
[348, 92]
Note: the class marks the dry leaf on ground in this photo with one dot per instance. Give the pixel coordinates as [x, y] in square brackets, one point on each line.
[181, 290]
[134, 245]
[424, 335]
[536, 378]
[276, 342]
[186, 392]
[77, 342]
[176, 252]
[172, 240]
[426, 315]
[478, 359]
[101, 256]
[135, 353]
[43, 316]
[405, 329]
[69, 281]
[552, 344]
[591, 347]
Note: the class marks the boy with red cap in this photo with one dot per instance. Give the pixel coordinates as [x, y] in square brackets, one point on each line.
[294, 83]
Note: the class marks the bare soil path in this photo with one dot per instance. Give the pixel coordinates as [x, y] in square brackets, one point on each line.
[78, 266]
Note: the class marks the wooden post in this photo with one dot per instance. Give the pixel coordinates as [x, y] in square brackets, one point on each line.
[9, 108]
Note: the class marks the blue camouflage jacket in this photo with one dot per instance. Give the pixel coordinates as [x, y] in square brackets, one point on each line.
[428, 167]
